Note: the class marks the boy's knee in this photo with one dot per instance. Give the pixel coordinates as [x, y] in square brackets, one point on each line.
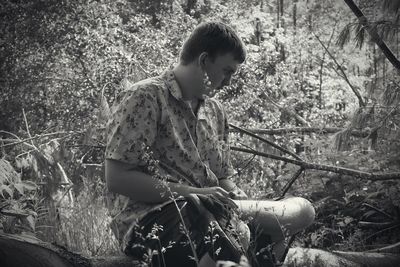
[306, 213]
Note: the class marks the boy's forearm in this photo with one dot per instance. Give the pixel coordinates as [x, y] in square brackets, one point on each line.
[141, 186]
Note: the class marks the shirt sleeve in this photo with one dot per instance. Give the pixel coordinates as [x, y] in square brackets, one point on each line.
[132, 127]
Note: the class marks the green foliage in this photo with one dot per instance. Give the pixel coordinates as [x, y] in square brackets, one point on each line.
[16, 211]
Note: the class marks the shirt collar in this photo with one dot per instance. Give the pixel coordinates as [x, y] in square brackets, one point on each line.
[172, 84]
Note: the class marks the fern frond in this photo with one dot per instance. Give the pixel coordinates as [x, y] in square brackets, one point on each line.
[344, 36]
[360, 35]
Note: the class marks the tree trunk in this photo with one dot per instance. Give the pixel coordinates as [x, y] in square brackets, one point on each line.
[294, 15]
[397, 43]
[277, 13]
[16, 251]
[282, 21]
[384, 73]
[375, 81]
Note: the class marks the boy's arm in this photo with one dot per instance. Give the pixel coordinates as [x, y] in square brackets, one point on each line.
[123, 179]
[234, 191]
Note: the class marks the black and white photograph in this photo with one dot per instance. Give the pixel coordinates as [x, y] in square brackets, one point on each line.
[199, 133]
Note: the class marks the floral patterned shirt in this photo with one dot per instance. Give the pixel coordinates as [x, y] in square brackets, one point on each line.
[189, 148]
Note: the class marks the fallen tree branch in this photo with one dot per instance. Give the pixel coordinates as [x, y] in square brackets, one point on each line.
[304, 130]
[265, 141]
[322, 167]
[378, 210]
[296, 175]
[394, 248]
[379, 232]
[378, 225]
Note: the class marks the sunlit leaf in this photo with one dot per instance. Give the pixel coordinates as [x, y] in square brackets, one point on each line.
[19, 187]
[29, 222]
[7, 172]
[7, 189]
[360, 35]
[29, 185]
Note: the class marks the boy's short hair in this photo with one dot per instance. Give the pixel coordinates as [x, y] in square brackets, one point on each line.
[215, 38]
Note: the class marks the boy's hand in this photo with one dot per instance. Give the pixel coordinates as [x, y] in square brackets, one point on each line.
[218, 192]
[238, 194]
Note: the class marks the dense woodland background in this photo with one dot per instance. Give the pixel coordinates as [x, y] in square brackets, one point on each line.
[314, 83]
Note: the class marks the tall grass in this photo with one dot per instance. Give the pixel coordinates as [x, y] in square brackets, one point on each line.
[84, 227]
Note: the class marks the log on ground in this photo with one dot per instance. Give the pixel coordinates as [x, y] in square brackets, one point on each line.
[24, 250]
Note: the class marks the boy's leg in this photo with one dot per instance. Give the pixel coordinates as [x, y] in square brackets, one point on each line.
[289, 215]
[278, 219]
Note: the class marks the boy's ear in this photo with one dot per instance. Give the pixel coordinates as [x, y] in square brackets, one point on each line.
[202, 59]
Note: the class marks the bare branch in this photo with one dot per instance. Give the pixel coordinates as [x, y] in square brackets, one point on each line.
[322, 167]
[265, 141]
[378, 225]
[378, 210]
[287, 110]
[27, 128]
[305, 130]
[355, 91]
[289, 184]
[394, 248]
[19, 141]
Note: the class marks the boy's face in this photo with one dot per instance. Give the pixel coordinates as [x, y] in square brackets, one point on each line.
[220, 71]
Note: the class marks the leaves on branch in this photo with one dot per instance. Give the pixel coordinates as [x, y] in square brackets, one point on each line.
[7, 173]
[360, 35]
[344, 36]
[391, 95]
